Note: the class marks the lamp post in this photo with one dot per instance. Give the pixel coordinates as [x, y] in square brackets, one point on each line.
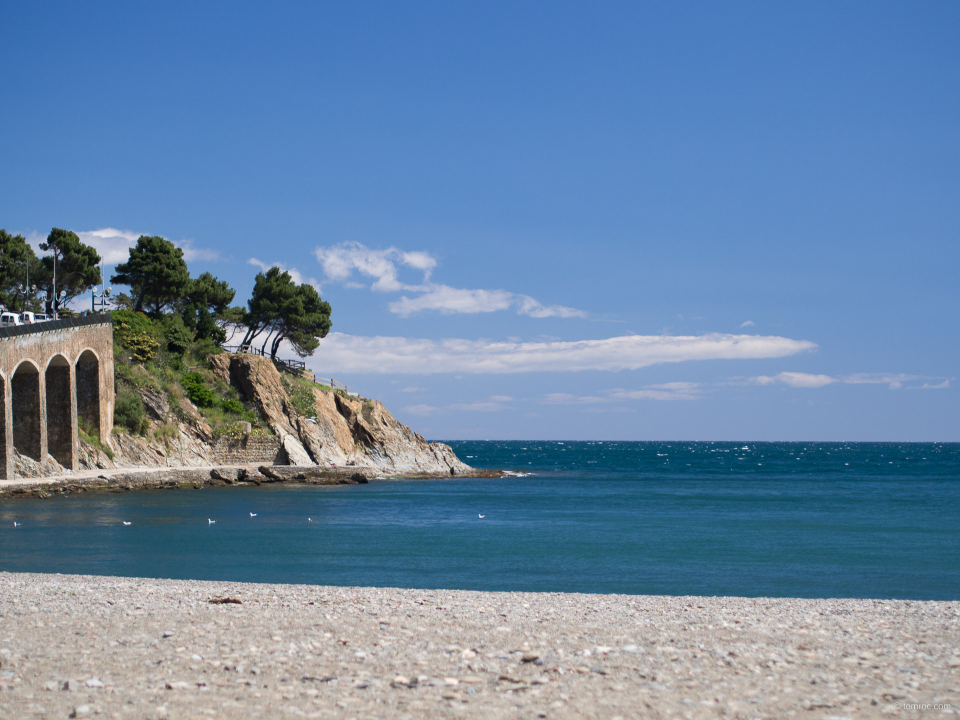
[57, 300]
[26, 291]
[24, 288]
[100, 300]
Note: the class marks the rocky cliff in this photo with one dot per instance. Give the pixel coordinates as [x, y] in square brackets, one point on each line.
[344, 430]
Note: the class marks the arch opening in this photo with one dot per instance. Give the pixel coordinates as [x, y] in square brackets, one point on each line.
[59, 416]
[25, 396]
[88, 393]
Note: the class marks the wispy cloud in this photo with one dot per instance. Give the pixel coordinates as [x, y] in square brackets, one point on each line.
[343, 263]
[449, 300]
[496, 403]
[795, 379]
[748, 323]
[895, 381]
[295, 275]
[664, 391]
[359, 354]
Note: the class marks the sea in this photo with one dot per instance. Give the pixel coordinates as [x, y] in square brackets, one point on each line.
[799, 519]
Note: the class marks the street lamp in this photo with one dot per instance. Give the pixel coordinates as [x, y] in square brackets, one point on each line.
[45, 294]
[26, 290]
[101, 299]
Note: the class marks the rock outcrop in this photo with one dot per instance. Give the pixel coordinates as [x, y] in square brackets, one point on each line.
[344, 430]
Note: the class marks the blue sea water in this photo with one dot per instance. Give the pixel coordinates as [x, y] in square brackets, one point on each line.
[877, 520]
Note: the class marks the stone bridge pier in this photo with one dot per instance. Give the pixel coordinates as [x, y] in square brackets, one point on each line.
[54, 375]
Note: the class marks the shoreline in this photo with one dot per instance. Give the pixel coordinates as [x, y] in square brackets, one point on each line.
[167, 478]
[170, 648]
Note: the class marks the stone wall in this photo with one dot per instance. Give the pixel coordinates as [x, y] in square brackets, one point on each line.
[249, 450]
[46, 370]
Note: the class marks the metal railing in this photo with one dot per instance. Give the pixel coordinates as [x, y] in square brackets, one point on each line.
[332, 383]
[292, 365]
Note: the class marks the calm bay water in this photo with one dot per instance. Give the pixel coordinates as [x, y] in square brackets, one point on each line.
[757, 519]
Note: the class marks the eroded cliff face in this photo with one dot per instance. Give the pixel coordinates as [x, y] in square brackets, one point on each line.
[345, 430]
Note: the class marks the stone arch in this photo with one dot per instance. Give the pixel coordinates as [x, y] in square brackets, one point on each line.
[59, 391]
[88, 391]
[25, 401]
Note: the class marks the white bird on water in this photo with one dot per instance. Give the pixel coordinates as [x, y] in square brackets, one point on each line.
[253, 514]
[481, 516]
[210, 522]
[309, 519]
[125, 522]
[16, 524]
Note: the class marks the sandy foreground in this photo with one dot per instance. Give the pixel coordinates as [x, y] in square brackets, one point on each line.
[84, 646]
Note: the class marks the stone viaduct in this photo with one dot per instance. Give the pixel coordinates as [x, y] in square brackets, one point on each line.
[53, 374]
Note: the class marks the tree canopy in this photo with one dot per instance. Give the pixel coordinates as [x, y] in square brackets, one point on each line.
[285, 311]
[205, 302]
[77, 268]
[16, 256]
[156, 273]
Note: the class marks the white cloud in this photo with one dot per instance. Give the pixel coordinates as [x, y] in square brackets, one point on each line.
[664, 391]
[570, 399]
[939, 386]
[358, 354]
[677, 386]
[748, 323]
[449, 300]
[890, 379]
[111, 244]
[453, 300]
[383, 267]
[191, 252]
[896, 381]
[455, 407]
[340, 261]
[795, 379]
[295, 274]
[412, 389]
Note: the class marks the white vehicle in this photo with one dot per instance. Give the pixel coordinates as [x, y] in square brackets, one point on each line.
[27, 318]
[10, 319]
[41, 317]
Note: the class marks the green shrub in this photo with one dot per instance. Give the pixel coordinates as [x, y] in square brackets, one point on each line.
[197, 390]
[136, 332]
[176, 334]
[92, 437]
[202, 349]
[232, 405]
[128, 411]
[301, 397]
[228, 430]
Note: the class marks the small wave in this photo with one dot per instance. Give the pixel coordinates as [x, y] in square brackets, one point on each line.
[515, 473]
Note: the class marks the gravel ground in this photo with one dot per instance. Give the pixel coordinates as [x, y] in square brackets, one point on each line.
[83, 646]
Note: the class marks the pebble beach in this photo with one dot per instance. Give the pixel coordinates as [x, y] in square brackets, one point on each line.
[89, 646]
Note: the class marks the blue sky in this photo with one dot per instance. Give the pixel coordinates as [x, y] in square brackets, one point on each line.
[537, 220]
